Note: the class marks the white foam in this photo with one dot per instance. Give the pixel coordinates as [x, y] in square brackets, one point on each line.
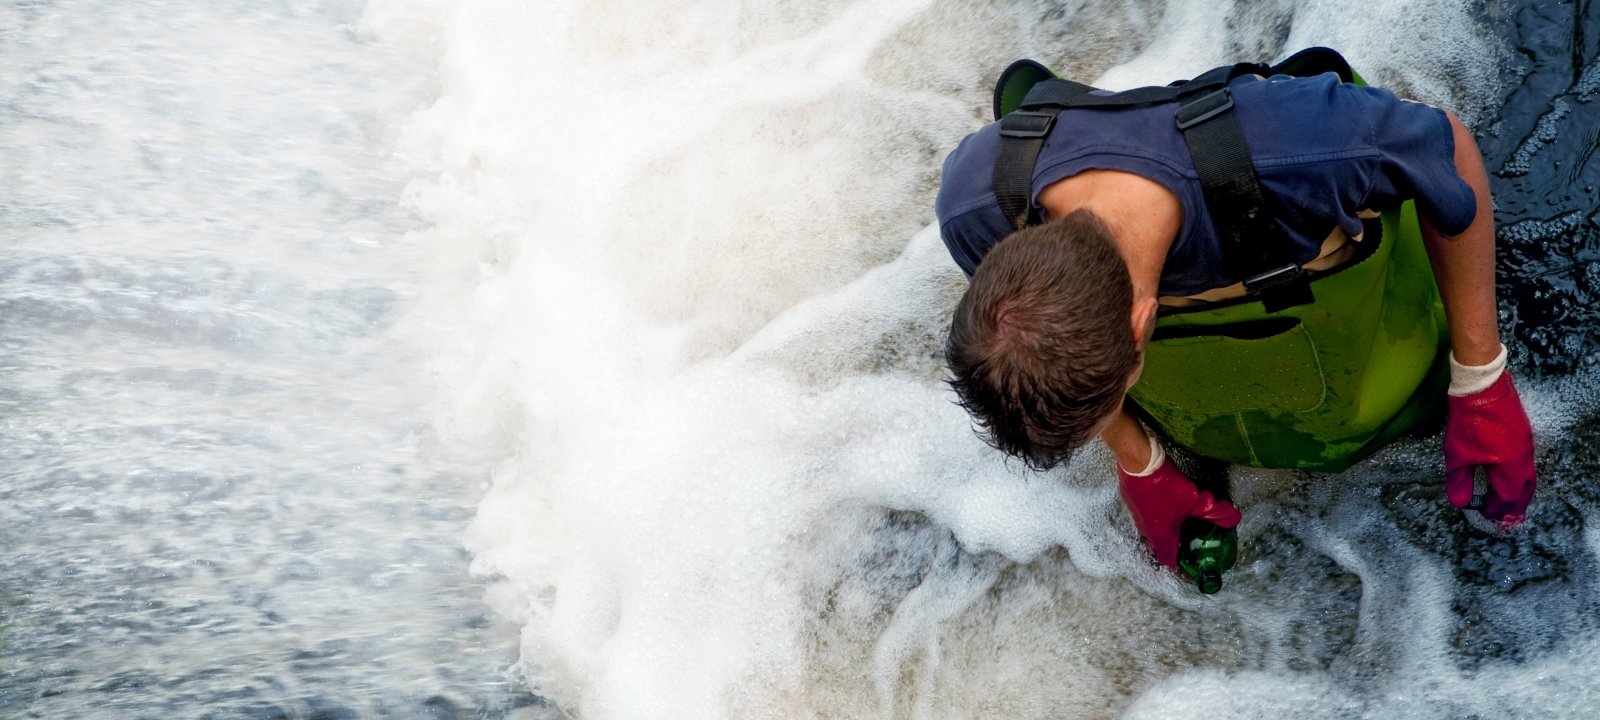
[687, 291]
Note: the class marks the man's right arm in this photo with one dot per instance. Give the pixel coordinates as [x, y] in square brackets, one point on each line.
[1159, 497]
[1127, 440]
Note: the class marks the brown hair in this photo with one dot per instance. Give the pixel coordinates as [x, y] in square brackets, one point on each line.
[1041, 345]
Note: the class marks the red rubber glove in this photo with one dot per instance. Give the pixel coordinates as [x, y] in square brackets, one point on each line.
[1490, 429]
[1161, 501]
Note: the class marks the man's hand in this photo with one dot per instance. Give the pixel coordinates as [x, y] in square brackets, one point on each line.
[1159, 503]
[1488, 428]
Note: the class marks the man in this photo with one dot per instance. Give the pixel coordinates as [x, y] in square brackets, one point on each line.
[1051, 334]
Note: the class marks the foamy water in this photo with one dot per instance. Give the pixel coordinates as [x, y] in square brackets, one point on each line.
[694, 298]
[655, 285]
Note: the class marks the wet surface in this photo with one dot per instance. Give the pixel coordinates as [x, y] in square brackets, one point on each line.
[1528, 594]
[1539, 149]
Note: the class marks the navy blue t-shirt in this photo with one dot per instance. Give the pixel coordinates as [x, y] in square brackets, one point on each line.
[1325, 149]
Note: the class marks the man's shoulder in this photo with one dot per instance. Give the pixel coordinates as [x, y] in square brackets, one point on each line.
[967, 178]
[970, 220]
[1142, 140]
[1288, 119]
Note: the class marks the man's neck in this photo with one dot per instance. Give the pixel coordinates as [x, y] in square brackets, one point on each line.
[1143, 215]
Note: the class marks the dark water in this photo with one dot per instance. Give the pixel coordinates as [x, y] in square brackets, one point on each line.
[1539, 149]
[1545, 176]
[1540, 152]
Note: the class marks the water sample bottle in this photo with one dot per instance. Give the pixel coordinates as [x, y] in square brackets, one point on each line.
[1205, 552]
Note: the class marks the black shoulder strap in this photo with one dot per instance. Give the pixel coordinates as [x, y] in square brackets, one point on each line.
[1024, 130]
[1022, 136]
[1253, 244]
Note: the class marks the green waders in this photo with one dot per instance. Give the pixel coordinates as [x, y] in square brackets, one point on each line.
[1314, 387]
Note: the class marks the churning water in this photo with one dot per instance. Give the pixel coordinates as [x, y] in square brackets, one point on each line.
[641, 303]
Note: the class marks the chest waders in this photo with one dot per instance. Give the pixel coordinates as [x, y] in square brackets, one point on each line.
[1309, 370]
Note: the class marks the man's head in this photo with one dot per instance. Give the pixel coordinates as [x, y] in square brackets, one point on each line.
[1048, 339]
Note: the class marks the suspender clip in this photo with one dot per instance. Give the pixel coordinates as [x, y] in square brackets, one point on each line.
[1273, 278]
[1027, 124]
[1204, 108]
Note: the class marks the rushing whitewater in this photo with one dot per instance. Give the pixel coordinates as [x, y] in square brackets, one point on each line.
[688, 290]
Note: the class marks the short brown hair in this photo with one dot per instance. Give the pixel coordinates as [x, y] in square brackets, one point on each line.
[1041, 345]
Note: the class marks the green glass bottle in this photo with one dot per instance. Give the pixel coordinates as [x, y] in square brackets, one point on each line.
[1205, 552]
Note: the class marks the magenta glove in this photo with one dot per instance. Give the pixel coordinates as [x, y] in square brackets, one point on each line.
[1490, 429]
[1161, 501]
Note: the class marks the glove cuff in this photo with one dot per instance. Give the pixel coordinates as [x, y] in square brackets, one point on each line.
[1472, 379]
[1157, 456]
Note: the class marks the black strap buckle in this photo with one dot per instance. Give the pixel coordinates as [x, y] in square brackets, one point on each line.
[1204, 108]
[1027, 124]
[1275, 277]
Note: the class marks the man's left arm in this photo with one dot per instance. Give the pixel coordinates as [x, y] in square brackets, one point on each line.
[1463, 265]
[1487, 426]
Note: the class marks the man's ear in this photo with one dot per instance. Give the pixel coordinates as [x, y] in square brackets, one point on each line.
[1144, 321]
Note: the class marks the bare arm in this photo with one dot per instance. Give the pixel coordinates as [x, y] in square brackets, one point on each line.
[1463, 265]
[1127, 441]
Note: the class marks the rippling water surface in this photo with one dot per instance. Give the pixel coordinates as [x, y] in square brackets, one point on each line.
[218, 494]
[429, 359]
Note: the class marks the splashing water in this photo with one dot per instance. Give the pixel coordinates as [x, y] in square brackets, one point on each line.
[695, 299]
[670, 285]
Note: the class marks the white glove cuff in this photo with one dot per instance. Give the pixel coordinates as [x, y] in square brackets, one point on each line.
[1157, 455]
[1467, 380]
